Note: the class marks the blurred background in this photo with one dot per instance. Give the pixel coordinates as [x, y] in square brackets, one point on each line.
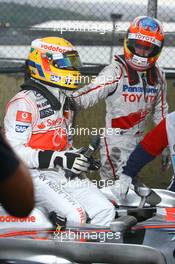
[96, 28]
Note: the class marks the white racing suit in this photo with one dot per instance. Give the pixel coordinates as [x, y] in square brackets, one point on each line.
[130, 98]
[32, 125]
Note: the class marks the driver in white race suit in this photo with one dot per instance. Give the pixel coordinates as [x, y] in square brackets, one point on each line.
[151, 146]
[133, 87]
[37, 124]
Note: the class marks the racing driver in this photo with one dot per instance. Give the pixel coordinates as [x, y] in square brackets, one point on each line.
[37, 125]
[151, 146]
[133, 87]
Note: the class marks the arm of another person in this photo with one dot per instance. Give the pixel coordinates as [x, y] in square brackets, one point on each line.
[103, 85]
[151, 146]
[16, 187]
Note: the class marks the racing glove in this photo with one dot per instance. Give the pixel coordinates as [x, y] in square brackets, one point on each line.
[125, 182]
[95, 164]
[68, 160]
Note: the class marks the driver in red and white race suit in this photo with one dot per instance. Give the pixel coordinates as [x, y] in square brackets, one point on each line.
[147, 150]
[37, 124]
[133, 87]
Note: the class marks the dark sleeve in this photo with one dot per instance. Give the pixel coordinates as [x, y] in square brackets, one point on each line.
[150, 147]
[8, 160]
[45, 158]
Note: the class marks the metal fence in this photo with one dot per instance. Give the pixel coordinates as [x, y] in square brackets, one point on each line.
[96, 27]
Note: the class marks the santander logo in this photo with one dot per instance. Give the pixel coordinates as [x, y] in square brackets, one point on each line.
[51, 122]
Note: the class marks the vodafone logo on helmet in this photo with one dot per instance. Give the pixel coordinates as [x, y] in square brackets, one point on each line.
[50, 47]
[54, 48]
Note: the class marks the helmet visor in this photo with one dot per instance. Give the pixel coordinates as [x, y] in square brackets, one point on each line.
[143, 48]
[70, 60]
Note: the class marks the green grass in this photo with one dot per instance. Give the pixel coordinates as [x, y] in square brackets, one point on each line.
[94, 117]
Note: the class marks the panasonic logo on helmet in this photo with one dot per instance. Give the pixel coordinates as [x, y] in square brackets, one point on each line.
[53, 48]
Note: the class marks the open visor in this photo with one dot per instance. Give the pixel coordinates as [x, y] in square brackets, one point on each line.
[143, 48]
[69, 60]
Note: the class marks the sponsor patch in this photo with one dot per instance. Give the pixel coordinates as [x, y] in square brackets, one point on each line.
[139, 89]
[68, 80]
[24, 117]
[38, 95]
[145, 38]
[51, 122]
[20, 128]
[41, 126]
[42, 104]
[54, 48]
[50, 47]
[55, 78]
[46, 112]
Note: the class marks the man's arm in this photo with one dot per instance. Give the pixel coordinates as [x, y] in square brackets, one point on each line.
[36, 158]
[103, 85]
[16, 187]
[151, 146]
[18, 129]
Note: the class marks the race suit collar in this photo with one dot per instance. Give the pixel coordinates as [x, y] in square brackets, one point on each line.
[52, 95]
[33, 85]
[133, 77]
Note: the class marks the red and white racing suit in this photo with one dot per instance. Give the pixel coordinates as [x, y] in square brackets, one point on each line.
[127, 108]
[32, 125]
[154, 142]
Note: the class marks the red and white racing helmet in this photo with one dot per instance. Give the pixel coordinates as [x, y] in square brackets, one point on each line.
[143, 43]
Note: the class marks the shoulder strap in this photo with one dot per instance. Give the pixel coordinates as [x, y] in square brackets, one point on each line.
[41, 89]
[152, 75]
[161, 78]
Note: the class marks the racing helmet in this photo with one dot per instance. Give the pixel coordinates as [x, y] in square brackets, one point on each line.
[54, 61]
[143, 43]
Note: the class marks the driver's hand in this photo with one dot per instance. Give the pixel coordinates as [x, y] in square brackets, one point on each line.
[125, 182]
[74, 162]
[95, 164]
